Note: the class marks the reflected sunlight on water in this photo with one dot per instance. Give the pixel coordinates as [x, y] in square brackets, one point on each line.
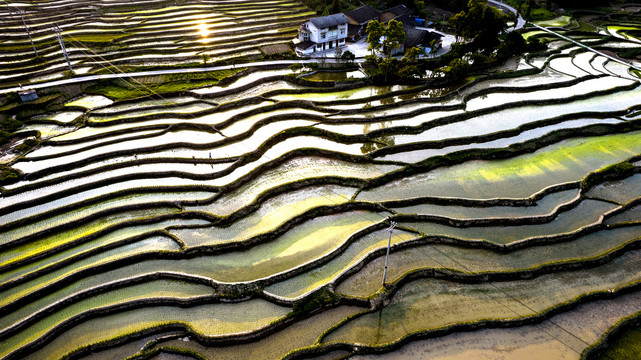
[203, 31]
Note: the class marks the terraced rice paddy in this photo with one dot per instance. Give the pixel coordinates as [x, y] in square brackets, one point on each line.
[101, 36]
[249, 220]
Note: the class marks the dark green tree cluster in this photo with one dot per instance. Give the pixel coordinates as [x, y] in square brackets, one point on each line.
[388, 37]
[451, 5]
[481, 23]
[328, 7]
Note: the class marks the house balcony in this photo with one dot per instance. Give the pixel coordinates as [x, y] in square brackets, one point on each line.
[331, 38]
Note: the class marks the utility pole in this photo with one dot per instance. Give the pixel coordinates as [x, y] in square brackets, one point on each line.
[56, 29]
[27, 30]
[389, 244]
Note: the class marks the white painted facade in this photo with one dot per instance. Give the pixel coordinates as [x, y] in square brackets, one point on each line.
[321, 34]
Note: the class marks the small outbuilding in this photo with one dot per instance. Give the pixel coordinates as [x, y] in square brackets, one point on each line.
[28, 95]
[394, 13]
[358, 20]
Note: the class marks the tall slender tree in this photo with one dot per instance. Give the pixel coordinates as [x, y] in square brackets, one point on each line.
[375, 31]
[394, 36]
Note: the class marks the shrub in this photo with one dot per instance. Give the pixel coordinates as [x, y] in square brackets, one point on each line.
[27, 145]
[316, 301]
[371, 60]
[348, 57]
[8, 174]
[295, 67]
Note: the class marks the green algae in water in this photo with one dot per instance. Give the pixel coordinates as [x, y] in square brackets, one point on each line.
[358, 93]
[78, 214]
[296, 247]
[47, 130]
[131, 115]
[625, 345]
[14, 293]
[157, 288]
[297, 169]
[368, 280]
[300, 245]
[631, 215]
[63, 117]
[271, 213]
[622, 31]
[115, 236]
[51, 242]
[91, 102]
[326, 273]
[334, 76]
[431, 303]
[562, 336]
[300, 334]
[588, 212]
[558, 22]
[620, 191]
[518, 177]
[150, 244]
[542, 207]
[208, 320]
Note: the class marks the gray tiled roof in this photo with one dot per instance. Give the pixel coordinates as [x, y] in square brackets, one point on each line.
[363, 14]
[330, 20]
[400, 10]
[305, 45]
[414, 37]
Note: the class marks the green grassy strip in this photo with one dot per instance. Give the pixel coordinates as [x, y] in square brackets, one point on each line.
[118, 91]
[621, 342]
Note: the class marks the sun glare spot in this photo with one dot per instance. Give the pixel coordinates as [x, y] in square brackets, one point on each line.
[203, 29]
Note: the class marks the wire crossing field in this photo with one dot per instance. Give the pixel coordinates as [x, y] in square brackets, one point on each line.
[103, 37]
[243, 213]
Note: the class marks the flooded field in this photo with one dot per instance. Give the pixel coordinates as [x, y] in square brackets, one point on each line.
[251, 219]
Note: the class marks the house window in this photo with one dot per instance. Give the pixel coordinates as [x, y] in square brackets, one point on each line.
[342, 31]
[323, 35]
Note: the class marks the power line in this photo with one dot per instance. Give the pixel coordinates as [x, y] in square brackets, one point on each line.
[58, 34]
[28, 33]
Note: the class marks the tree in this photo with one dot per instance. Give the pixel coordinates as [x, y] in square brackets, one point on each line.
[388, 66]
[338, 52]
[348, 57]
[295, 67]
[413, 54]
[420, 8]
[457, 69]
[371, 60]
[394, 36]
[375, 31]
[481, 23]
[433, 47]
[410, 72]
[528, 10]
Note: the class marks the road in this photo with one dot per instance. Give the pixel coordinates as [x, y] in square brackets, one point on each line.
[520, 22]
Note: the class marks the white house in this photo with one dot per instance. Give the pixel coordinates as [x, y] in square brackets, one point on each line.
[322, 33]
